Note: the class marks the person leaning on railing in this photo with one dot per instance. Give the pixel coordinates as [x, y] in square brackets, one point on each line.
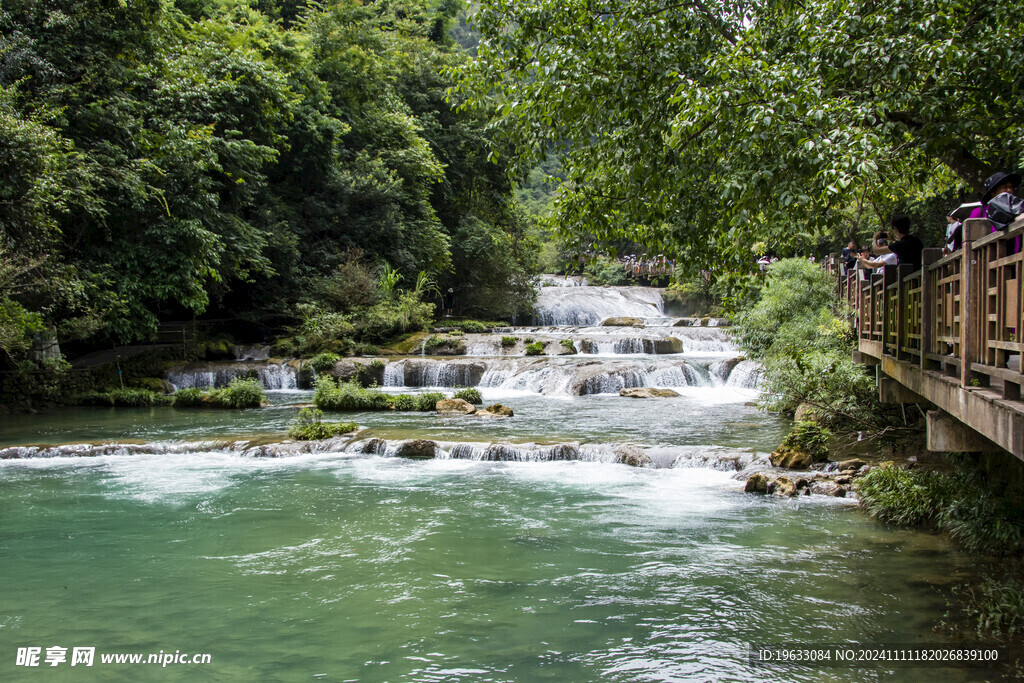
[906, 247]
[879, 241]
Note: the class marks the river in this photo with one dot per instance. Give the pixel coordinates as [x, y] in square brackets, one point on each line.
[523, 553]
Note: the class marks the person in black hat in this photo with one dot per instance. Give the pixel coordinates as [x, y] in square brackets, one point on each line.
[907, 247]
[996, 183]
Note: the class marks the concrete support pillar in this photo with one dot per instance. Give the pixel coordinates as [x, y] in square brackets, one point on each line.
[946, 433]
[891, 391]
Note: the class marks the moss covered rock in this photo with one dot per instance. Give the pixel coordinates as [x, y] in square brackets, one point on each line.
[757, 483]
[497, 410]
[455, 406]
[421, 449]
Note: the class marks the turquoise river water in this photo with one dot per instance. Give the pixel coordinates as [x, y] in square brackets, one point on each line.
[340, 565]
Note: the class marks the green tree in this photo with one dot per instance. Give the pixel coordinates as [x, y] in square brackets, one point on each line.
[705, 127]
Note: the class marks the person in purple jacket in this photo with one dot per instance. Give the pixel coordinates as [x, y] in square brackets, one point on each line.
[996, 184]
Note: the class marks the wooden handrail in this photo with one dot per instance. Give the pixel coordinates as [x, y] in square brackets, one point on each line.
[960, 314]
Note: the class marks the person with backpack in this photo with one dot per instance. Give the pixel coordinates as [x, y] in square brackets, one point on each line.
[999, 203]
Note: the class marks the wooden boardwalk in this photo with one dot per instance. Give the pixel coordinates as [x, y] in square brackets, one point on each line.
[950, 334]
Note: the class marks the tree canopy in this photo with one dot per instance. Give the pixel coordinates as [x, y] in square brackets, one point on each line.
[703, 128]
[169, 158]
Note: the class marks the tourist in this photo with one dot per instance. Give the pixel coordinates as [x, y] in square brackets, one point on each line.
[849, 256]
[954, 233]
[907, 247]
[996, 183]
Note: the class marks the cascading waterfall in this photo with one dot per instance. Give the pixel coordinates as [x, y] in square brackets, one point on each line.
[581, 306]
[746, 375]
[273, 376]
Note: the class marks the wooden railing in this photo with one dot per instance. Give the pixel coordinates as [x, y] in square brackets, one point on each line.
[960, 314]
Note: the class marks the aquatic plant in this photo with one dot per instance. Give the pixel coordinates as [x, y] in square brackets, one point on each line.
[309, 426]
[240, 393]
[470, 395]
[976, 516]
[508, 341]
[535, 349]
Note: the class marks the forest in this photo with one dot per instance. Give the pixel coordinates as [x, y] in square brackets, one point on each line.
[271, 163]
[346, 170]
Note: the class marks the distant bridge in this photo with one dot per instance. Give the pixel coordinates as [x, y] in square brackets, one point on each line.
[950, 333]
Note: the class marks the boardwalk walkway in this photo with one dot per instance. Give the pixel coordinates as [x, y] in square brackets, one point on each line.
[950, 333]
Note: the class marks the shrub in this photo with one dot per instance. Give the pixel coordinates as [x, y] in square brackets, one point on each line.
[324, 362]
[350, 396]
[508, 341]
[995, 606]
[434, 342]
[240, 393]
[568, 345]
[959, 503]
[125, 398]
[535, 349]
[403, 402]
[528, 340]
[808, 437]
[308, 426]
[377, 364]
[471, 395]
[364, 349]
[427, 402]
[472, 326]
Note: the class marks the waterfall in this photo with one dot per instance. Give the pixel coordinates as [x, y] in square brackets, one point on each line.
[582, 306]
[746, 375]
[273, 376]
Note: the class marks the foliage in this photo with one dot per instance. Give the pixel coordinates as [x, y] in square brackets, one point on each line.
[702, 128]
[506, 342]
[568, 345]
[324, 362]
[239, 394]
[602, 270]
[241, 160]
[995, 606]
[472, 326]
[535, 349]
[125, 398]
[808, 437]
[960, 503]
[350, 396]
[806, 349]
[309, 426]
[470, 394]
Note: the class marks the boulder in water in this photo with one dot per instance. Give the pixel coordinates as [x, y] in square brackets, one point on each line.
[647, 392]
[497, 410]
[622, 322]
[632, 456]
[417, 448]
[686, 322]
[783, 486]
[564, 451]
[375, 447]
[791, 459]
[757, 483]
[455, 406]
[668, 345]
[851, 464]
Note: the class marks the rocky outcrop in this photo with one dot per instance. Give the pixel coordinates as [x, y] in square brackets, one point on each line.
[375, 447]
[420, 449]
[668, 345]
[497, 410]
[632, 456]
[622, 322]
[757, 483]
[805, 413]
[783, 486]
[647, 392]
[454, 406]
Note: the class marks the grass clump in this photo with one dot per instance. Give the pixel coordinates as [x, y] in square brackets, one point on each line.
[568, 345]
[350, 396]
[959, 503]
[309, 426]
[995, 607]
[324, 362]
[535, 349]
[506, 342]
[125, 398]
[240, 393]
[470, 395]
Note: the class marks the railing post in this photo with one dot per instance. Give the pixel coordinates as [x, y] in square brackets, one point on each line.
[901, 313]
[973, 229]
[889, 275]
[928, 303]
